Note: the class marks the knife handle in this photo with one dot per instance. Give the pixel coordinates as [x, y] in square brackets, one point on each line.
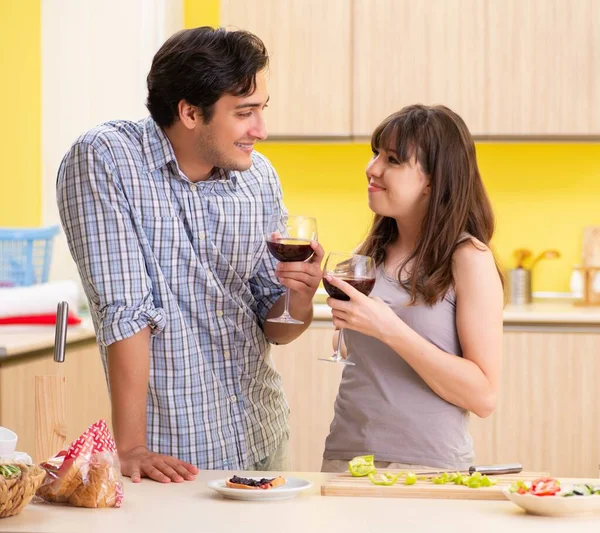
[494, 470]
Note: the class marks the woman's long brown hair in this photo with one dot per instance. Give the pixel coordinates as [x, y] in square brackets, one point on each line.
[440, 142]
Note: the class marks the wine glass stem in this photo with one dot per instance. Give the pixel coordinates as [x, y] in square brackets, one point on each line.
[287, 302]
[338, 354]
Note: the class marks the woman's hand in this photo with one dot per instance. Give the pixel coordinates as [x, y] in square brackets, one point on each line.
[367, 315]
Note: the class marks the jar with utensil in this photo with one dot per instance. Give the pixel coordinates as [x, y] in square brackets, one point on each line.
[519, 278]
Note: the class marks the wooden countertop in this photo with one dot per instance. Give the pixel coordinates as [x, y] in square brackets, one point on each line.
[192, 506]
[18, 340]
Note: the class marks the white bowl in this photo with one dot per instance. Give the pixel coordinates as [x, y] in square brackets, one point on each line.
[8, 441]
[555, 505]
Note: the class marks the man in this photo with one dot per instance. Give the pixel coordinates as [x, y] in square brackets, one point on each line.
[166, 219]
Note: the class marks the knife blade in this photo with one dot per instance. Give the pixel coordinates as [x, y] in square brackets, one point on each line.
[489, 470]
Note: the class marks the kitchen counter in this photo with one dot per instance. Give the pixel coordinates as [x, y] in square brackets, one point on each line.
[538, 313]
[19, 340]
[192, 506]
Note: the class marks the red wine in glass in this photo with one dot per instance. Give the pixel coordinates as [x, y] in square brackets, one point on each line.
[287, 250]
[364, 285]
[288, 240]
[358, 271]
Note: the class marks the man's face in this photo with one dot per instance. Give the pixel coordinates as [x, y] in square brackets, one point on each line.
[237, 123]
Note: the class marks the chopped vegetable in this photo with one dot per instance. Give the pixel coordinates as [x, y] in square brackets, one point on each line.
[10, 471]
[383, 479]
[361, 466]
[545, 487]
[521, 487]
[364, 465]
[580, 490]
[474, 481]
[539, 487]
[411, 479]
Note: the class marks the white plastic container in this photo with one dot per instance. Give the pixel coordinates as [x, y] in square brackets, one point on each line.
[8, 441]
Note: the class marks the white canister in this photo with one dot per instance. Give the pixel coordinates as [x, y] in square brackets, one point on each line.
[576, 283]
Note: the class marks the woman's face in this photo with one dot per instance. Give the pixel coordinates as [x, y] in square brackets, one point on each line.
[397, 190]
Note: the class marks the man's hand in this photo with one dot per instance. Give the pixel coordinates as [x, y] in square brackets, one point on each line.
[141, 462]
[302, 278]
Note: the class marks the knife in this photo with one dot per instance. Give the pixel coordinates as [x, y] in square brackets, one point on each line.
[490, 470]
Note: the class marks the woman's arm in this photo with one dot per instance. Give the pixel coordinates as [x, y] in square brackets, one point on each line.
[471, 381]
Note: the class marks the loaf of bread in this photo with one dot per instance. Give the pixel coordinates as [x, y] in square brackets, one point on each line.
[93, 483]
[87, 474]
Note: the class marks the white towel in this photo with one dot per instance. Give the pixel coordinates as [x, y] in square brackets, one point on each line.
[38, 299]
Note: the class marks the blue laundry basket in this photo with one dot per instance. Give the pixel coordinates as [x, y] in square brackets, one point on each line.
[25, 255]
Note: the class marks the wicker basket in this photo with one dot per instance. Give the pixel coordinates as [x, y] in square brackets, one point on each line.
[16, 492]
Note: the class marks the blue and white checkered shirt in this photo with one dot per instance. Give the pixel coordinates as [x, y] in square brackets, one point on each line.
[190, 261]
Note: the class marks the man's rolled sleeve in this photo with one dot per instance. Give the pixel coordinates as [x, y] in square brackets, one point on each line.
[119, 322]
[265, 288]
[103, 241]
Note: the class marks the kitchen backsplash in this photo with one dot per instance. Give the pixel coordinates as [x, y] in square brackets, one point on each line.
[543, 194]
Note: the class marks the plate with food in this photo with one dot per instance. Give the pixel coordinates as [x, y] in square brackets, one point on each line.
[256, 488]
[548, 497]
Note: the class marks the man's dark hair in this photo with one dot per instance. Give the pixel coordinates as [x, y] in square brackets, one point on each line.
[199, 66]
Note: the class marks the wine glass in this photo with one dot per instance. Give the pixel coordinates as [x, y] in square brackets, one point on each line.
[288, 239]
[356, 270]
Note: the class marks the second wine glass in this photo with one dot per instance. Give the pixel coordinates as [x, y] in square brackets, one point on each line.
[288, 239]
[356, 270]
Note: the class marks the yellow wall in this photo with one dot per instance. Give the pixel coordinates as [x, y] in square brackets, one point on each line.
[200, 13]
[543, 194]
[20, 109]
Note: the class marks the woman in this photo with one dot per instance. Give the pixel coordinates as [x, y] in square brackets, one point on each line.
[427, 343]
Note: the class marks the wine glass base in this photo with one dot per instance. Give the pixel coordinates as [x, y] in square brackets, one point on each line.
[285, 320]
[336, 360]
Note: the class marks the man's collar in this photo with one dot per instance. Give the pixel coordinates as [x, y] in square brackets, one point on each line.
[157, 148]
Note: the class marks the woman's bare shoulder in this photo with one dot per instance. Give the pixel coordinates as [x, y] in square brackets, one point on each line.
[471, 257]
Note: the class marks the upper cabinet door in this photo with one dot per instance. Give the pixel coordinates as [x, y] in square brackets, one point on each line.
[309, 45]
[543, 60]
[508, 67]
[418, 51]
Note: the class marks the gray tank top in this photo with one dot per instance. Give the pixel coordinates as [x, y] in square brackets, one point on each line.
[384, 408]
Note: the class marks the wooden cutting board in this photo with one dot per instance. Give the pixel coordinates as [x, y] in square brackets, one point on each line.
[346, 485]
[591, 246]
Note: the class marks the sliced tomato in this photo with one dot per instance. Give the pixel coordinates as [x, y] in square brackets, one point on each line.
[544, 487]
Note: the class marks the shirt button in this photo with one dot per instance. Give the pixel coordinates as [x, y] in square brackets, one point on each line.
[233, 398]
[226, 354]
[219, 313]
[201, 235]
[193, 187]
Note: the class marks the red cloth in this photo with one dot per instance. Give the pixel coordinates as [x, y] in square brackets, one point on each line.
[38, 320]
